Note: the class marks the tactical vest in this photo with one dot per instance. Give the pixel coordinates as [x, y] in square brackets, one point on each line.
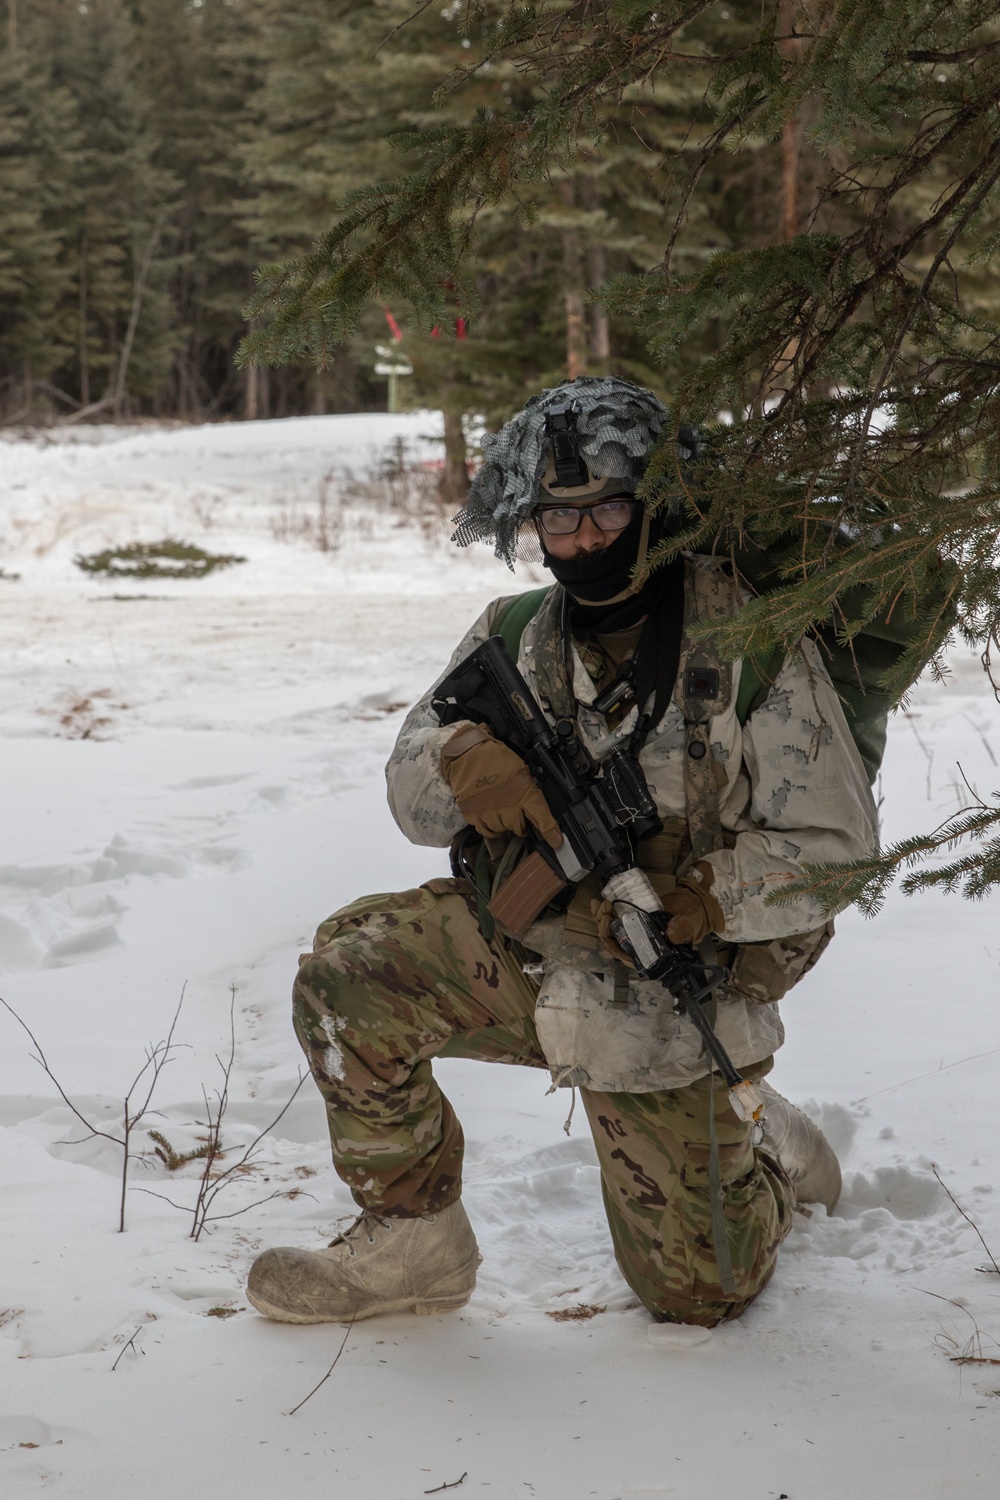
[764, 971]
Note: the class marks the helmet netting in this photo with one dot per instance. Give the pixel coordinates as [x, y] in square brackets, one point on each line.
[618, 425]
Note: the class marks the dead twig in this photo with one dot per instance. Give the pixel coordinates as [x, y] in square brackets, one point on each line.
[214, 1123]
[329, 1372]
[209, 1190]
[212, 1182]
[967, 1219]
[973, 1351]
[452, 1486]
[157, 1057]
[130, 1345]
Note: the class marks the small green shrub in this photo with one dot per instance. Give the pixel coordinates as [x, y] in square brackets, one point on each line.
[172, 1159]
[166, 559]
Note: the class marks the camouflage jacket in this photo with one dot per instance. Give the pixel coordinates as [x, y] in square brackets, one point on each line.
[792, 790]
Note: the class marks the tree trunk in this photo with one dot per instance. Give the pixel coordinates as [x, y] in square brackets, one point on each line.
[319, 393]
[84, 354]
[141, 276]
[791, 142]
[600, 328]
[453, 486]
[597, 273]
[791, 135]
[250, 393]
[576, 345]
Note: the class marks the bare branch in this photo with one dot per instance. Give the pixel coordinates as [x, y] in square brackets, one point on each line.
[967, 1219]
[130, 1345]
[424, 5]
[329, 1372]
[966, 54]
[43, 1063]
[452, 1486]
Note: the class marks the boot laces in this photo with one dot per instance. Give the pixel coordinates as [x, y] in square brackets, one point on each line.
[367, 1223]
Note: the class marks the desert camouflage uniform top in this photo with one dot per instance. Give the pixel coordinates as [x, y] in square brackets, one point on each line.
[792, 790]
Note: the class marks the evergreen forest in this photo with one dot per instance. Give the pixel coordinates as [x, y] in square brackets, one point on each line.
[154, 153]
[782, 216]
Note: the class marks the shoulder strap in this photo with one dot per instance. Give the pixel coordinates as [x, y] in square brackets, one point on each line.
[512, 621]
[704, 688]
[654, 666]
[756, 680]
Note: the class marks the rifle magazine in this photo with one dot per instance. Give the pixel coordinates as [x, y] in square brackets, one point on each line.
[525, 895]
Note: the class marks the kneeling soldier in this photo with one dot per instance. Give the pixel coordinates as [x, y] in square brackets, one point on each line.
[698, 1199]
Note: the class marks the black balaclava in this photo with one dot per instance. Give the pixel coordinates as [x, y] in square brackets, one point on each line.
[596, 581]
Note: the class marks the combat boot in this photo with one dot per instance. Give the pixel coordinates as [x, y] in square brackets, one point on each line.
[802, 1149]
[379, 1265]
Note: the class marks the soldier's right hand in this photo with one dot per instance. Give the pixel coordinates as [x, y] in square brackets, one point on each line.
[493, 787]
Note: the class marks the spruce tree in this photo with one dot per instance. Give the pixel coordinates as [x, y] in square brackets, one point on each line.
[39, 161]
[346, 87]
[111, 328]
[852, 344]
[202, 65]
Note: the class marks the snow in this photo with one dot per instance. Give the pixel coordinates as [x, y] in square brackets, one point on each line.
[193, 781]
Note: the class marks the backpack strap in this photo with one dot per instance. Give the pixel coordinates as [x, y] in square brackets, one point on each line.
[704, 687]
[512, 620]
[757, 678]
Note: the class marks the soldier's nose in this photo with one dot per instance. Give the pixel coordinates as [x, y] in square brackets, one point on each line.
[590, 538]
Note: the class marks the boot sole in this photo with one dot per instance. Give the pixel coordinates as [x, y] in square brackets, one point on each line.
[422, 1306]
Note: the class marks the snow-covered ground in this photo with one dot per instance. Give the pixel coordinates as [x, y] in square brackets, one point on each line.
[192, 781]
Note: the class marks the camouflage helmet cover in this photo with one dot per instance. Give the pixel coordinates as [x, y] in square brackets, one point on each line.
[618, 424]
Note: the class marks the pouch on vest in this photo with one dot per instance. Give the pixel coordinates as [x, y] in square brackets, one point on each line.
[765, 972]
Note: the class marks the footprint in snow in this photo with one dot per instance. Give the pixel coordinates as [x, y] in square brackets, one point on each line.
[895, 1217]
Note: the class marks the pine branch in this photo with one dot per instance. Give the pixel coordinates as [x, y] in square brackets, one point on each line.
[866, 882]
[845, 377]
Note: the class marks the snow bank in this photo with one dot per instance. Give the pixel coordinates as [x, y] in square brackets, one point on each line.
[192, 781]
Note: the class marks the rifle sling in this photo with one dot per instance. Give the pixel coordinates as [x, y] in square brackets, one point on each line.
[657, 657]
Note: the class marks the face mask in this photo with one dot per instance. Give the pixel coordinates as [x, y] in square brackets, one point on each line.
[597, 576]
[593, 580]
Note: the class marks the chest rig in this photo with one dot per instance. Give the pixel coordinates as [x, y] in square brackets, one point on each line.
[703, 690]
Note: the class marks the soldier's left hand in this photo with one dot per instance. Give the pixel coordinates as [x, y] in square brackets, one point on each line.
[694, 911]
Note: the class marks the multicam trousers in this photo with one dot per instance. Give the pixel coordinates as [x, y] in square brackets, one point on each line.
[395, 980]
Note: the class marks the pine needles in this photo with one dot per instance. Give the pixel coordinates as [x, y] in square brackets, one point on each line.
[866, 882]
[846, 372]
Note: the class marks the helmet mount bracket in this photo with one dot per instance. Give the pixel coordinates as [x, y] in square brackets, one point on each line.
[564, 443]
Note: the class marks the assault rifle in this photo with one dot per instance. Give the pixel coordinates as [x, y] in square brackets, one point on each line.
[603, 809]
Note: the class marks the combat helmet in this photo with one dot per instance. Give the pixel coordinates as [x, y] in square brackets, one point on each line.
[607, 429]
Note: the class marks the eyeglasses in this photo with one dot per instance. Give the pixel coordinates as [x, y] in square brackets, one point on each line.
[607, 515]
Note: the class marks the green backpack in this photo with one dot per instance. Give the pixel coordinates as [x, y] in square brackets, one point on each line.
[857, 669]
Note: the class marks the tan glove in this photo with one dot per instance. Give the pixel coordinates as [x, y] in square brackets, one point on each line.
[604, 914]
[493, 787]
[694, 911]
